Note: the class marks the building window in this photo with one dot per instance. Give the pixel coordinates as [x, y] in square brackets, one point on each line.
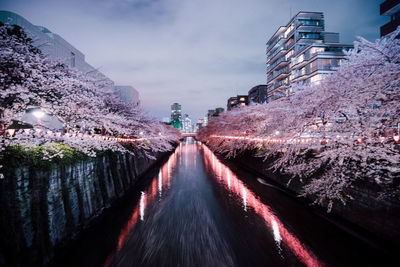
[307, 35]
[288, 30]
[289, 54]
[310, 22]
[242, 99]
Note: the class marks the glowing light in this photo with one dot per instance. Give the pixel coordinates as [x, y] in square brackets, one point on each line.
[277, 234]
[160, 182]
[11, 132]
[142, 206]
[396, 138]
[58, 134]
[359, 140]
[244, 194]
[27, 131]
[280, 232]
[49, 133]
[38, 113]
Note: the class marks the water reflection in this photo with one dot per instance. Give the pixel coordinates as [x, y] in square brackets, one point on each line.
[146, 197]
[236, 186]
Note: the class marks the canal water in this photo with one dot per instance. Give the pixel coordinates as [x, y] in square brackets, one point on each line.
[196, 211]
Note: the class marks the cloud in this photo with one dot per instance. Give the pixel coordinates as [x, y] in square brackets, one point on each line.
[197, 53]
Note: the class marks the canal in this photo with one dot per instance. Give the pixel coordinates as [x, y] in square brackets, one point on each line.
[196, 211]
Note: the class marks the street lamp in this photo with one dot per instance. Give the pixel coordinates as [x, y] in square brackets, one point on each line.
[38, 114]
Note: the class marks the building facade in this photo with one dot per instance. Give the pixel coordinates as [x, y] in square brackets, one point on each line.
[311, 64]
[127, 94]
[176, 115]
[52, 45]
[258, 94]
[390, 8]
[56, 48]
[289, 43]
[237, 101]
[187, 124]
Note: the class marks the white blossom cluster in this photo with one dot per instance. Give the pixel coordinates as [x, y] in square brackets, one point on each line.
[331, 135]
[83, 102]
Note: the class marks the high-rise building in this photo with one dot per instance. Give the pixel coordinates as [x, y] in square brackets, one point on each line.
[390, 8]
[176, 115]
[237, 101]
[299, 51]
[258, 94]
[187, 124]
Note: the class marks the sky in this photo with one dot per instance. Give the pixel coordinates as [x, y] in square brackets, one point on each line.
[194, 52]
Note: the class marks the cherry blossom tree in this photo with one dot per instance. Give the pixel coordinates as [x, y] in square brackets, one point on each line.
[94, 118]
[342, 127]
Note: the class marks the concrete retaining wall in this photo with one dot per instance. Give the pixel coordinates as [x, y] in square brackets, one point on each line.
[40, 209]
[379, 218]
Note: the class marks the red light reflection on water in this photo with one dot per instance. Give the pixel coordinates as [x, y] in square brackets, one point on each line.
[235, 185]
[159, 182]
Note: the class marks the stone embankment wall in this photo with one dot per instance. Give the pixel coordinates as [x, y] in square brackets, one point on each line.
[367, 214]
[41, 209]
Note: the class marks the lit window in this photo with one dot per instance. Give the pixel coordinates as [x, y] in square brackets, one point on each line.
[242, 104]
[301, 58]
[242, 99]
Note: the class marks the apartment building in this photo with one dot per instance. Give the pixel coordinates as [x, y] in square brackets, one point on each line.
[289, 52]
[390, 8]
[258, 94]
[237, 101]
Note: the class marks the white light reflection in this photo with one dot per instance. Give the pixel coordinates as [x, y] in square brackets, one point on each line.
[213, 161]
[142, 206]
[228, 176]
[277, 235]
[160, 182]
[244, 194]
[220, 171]
[169, 173]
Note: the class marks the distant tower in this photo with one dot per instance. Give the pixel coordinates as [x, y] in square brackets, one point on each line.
[187, 124]
[176, 115]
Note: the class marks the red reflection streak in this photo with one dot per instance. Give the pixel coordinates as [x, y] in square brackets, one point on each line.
[149, 196]
[236, 185]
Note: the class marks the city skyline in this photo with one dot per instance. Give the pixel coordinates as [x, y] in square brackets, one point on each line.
[196, 54]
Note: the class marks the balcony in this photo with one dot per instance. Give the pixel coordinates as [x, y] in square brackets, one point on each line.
[389, 27]
[271, 46]
[277, 51]
[280, 84]
[315, 24]
[279, 63]
[301, 75]
[389, 7]
[282, 73]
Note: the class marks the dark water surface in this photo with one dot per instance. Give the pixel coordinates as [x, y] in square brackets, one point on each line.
[196, 211]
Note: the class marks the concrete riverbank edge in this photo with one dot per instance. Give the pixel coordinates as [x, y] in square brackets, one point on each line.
[43, 209]
[375, 220]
